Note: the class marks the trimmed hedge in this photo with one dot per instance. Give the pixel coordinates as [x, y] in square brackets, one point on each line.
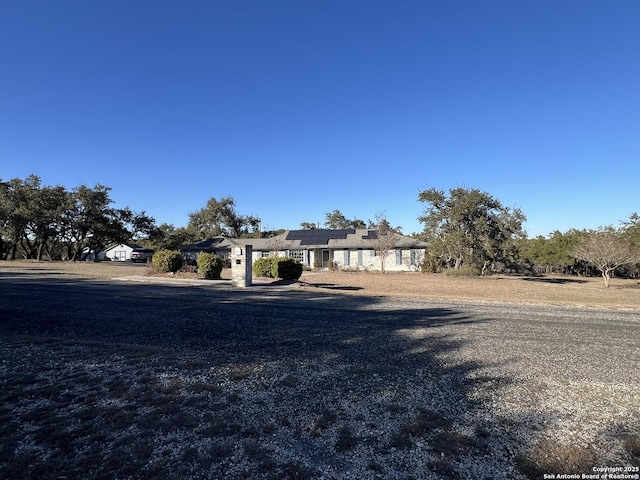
[209, 265]
[165, 261]
[285, 268]
[262, 266]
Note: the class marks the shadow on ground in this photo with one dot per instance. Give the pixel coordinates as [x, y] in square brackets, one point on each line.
[331, 286]
[106, 380]
[554, 280]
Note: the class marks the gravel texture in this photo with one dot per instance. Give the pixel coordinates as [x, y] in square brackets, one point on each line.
[328, 378]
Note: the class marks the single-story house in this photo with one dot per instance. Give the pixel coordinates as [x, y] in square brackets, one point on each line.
[122, 252]
[221, 246]
[344, 249]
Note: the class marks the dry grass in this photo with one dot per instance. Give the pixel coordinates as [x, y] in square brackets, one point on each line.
[551, 456]
[551, 290]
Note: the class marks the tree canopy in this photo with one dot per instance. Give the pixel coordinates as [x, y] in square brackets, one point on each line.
[554, 253]
[630, 229]
[220, 218]
[337, 220]
[607, 249]
[39, 221]
[469, 226]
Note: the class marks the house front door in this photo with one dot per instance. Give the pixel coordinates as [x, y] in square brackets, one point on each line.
[325, 257]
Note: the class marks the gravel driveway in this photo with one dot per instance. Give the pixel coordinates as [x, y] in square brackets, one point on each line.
[103, 379]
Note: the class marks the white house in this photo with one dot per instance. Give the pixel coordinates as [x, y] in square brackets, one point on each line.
[345, 249]
[121, 252]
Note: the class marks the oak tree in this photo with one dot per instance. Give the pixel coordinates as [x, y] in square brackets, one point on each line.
[220, 218]
[469, 226]
[337, 220]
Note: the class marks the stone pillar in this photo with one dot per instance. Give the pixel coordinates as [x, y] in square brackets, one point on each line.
[241, 266]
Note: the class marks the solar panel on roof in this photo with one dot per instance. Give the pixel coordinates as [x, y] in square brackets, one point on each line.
[319, 236]
[298, 234]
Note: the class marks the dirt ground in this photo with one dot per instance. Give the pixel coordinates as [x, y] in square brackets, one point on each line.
[551, 290]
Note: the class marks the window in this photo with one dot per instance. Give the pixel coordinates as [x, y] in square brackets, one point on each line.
[120, 256]
[297, 254]
[354, 259]
[264, 253]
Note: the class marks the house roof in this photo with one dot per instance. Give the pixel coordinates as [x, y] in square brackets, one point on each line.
[305, 239]
[208, 245]
[325, 238]
[133, 246]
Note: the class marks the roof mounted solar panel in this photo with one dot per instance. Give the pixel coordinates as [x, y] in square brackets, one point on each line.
[319, 236]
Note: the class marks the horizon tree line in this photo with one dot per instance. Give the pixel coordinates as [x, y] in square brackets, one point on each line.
[52, 222]
[465, 228]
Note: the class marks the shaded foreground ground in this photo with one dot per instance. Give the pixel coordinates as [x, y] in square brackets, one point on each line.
[104, 379]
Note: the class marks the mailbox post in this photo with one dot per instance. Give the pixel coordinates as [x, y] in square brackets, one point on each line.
[241, 266]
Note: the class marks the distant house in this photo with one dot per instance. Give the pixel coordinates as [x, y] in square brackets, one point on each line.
[320, 248]
[122, 252]
[221, 246]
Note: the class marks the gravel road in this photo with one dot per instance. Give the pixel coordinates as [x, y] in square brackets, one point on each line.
[337, 386]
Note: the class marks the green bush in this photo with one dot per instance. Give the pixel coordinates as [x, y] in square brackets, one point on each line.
[262, 267]
[286, 268]
[209, 265]
[166, 261]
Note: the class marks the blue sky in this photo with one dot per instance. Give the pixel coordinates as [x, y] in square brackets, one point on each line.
[299, 108]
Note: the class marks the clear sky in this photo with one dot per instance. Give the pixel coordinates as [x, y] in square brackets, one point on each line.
[298, 108]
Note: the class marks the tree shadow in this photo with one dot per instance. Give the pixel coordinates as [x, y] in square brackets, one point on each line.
[330, 286]
[271, 383]
[554, 280]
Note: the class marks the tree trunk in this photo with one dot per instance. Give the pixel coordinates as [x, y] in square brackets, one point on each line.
[606, 274]
[484, 267]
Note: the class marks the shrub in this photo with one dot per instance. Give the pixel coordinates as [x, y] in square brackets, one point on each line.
[262, 266]
[167, 261]
[431, 264]
[286, 268]
[209, 265]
